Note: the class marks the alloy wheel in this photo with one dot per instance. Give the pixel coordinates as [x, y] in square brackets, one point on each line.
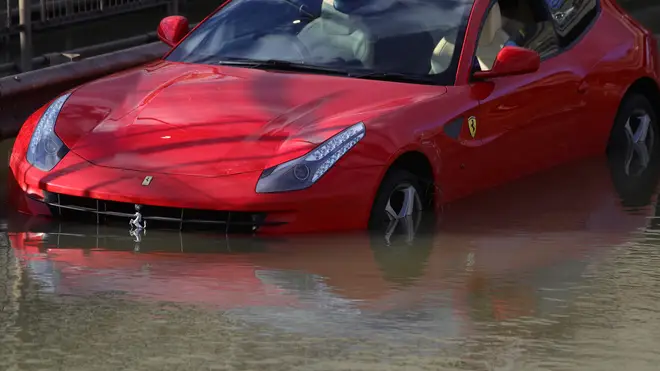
[640, 141]
[403, 212]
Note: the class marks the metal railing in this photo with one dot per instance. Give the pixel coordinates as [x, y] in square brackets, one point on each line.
[22, 17]
[52, 13]
[4, 238]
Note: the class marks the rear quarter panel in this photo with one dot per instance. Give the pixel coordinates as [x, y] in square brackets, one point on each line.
[627, 52]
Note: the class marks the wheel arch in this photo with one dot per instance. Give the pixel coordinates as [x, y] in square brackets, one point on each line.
[646, 86]
[418, 163]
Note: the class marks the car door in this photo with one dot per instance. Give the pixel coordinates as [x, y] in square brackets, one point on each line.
[585, 41]
[523, 122]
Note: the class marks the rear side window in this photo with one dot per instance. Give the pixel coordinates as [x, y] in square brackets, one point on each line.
[572, 18]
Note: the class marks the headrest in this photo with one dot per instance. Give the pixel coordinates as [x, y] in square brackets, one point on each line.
[362, 6]
[492, 25]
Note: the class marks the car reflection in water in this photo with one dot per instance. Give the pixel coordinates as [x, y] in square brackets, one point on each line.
[496, 256]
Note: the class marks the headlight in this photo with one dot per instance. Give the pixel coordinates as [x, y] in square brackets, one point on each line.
[46, 149]
[306, 170]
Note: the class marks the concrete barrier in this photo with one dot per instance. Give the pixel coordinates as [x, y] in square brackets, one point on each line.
[52, 59]
[22, 94]
[83, 69]
[5, 148]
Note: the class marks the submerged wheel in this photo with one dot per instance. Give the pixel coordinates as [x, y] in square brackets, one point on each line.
[634, 135]
[633, 149]
[398, 204]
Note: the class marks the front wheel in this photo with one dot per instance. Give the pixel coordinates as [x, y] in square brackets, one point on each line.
[398, 204]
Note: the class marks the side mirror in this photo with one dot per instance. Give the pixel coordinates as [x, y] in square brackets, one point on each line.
[172, 29]
[510, 61]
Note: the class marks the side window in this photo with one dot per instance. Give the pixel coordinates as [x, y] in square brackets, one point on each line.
[524, 23]
[572, 18]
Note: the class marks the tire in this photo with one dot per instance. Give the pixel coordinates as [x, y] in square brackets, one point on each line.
[401, 248]
[634, 176]
[392, 185]
[618, 141]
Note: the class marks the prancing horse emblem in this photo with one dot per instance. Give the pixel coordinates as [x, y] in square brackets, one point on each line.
[147, 180]
[137, 222]
[472, 125]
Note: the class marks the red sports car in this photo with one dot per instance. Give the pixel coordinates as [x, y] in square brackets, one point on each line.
[309, 115]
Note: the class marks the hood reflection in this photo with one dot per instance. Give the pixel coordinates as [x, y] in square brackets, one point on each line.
[499, 255]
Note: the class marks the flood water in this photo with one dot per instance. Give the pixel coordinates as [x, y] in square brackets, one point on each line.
[558, 271]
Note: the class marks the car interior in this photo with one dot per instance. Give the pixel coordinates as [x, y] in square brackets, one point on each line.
[509, 22]
[381, 42]
[415, 37]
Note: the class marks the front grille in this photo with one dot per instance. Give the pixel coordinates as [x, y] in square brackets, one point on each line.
[111, 212]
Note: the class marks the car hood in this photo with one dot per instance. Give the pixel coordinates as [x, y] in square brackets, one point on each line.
[205, 120]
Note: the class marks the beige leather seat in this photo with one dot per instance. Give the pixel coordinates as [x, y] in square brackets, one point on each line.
[491, 41]
[492, 38]
[442, 54]
[336, 35]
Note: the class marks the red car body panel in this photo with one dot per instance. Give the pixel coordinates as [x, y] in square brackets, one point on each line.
[265, 118]
[207, 132]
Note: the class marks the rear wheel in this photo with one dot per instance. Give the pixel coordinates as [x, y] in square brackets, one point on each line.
[634, 146]
[634, 135]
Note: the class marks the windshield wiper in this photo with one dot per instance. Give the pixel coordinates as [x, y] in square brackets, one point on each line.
[294, 66]
[280, 65]
[396, 77]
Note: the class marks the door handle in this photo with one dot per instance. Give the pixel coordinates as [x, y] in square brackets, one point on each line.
[583, 87]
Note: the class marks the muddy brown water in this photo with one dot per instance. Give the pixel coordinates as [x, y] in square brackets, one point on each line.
[558, 271]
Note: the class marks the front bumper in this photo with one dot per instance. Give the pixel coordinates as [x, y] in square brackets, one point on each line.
[76, 187]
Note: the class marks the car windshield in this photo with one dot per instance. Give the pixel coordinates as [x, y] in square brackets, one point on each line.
[383, 39]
